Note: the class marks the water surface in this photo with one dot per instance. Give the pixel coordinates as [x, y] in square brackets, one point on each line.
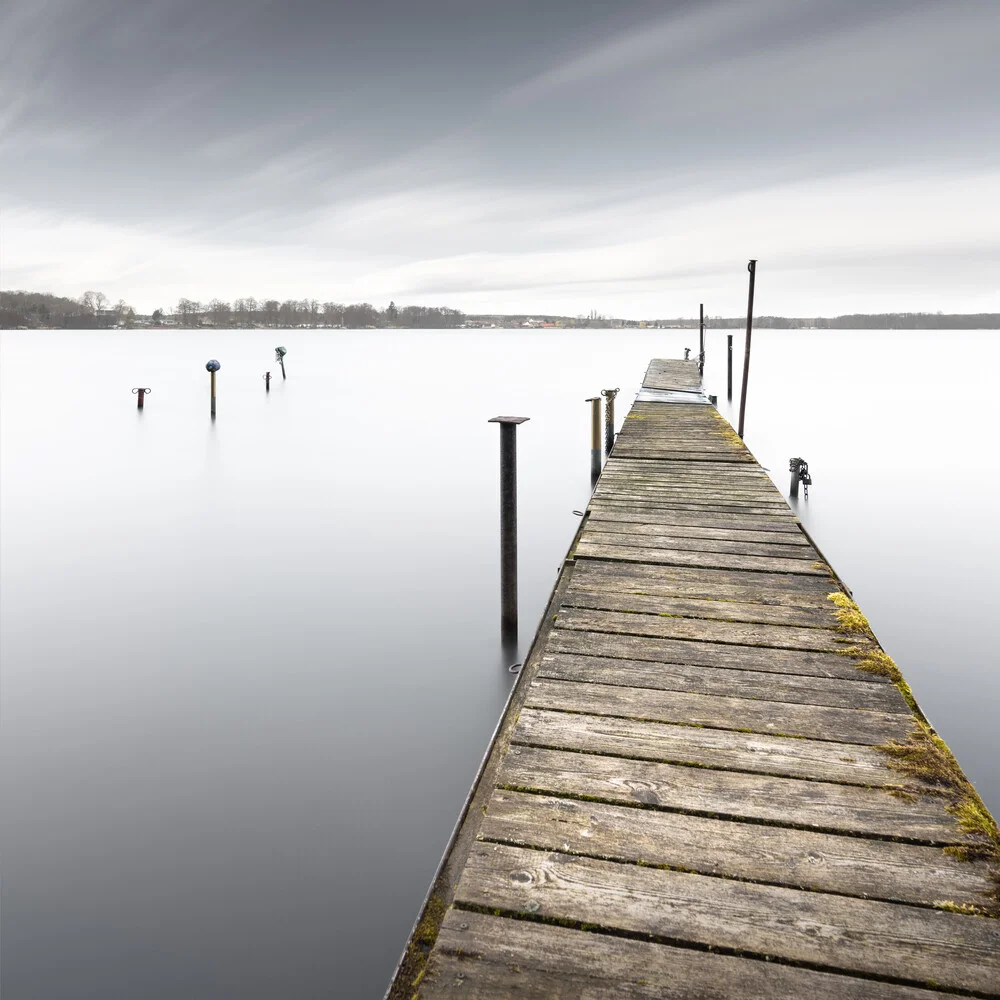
[250, 666]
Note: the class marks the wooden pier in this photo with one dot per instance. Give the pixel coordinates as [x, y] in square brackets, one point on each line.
[710, 781]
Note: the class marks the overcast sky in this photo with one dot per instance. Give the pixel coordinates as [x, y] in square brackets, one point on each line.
[523, 155]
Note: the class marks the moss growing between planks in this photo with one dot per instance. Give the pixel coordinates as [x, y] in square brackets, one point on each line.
[927, 758]
[424, 935]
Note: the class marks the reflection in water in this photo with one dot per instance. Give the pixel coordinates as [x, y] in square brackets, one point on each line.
[250, 667]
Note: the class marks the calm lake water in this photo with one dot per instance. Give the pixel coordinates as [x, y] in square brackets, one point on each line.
[250, 667]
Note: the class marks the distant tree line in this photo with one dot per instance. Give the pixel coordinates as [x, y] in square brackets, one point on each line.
[862, 321]
[93, 310]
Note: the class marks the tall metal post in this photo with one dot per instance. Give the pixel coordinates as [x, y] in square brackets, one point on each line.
[701, 338]
[752, 268]
[279, 356]
[141, 394]
[609, 419]
[508, 523]
[729, 366]
[213, 366]
[595, 437]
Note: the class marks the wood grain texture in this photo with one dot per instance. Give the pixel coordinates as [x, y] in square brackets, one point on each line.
[803, 859]
[814, 804]
[841, 725]
[484, 957]
[732, 633]
[709, 654]
[888, 939]
[757, 753]
[804, 690]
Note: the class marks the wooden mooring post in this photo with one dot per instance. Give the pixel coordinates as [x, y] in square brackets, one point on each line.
[508, 523]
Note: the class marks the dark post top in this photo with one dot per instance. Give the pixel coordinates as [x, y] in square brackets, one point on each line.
[507, 420]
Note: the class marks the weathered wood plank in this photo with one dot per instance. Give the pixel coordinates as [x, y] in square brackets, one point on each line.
[748, 587]
[594, 535]
[892, 940]
[819, 805]
[840, 725]
[815, 760]
[708, 654]
[804, 690]
[757, 852]
[732, 611]
[794, 539]
[633, 514]
[685, 557]
[484, 957]
[704, 630]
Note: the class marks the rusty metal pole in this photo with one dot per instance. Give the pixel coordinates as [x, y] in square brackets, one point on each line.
[595, 437]
[508, 524]
[752, 268]
[729, 367]
[701, 338]
[609, 420]
[141, 393]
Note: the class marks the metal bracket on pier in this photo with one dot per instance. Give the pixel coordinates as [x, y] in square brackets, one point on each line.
[799, 468]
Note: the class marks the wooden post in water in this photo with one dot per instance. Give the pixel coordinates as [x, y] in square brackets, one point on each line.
[508, 524]
[729, 366]
[213, 366]
[752, 268]
[141, 393]
[701, 338]
[595, 437]
[609, 419]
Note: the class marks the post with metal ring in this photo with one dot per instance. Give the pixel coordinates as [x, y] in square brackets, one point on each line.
[508, 524]
[141, 393]
[799, 468]
[213, 366]
[279, 356]
[609, 420]
[752, 268]
[267, 381]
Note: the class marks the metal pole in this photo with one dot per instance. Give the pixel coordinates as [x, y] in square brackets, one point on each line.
[279, 356]
[140, 393]
[267, 381]
[752, 268]
[609, 419]
[595, 437]
[729, 367]
[701, 338]
[508, 523]
[213, 366]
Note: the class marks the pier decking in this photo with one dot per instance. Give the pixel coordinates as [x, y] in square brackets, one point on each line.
[710, 781]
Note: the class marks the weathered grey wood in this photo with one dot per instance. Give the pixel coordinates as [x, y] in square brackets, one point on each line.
[797, 688]
[733, 611]
[706, 748]
[709, 654]
[633, 514]
[891, 940]
[704, 630]
[667, 373]
[594, 535]
[816, 804]
[773, 588]
[840, 725]
[802, 859]
[793, 539]
[684, 557]
[485, 957]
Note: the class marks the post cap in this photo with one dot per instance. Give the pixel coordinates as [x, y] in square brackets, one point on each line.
[507, 420]
[212, 366]
[593, 399]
